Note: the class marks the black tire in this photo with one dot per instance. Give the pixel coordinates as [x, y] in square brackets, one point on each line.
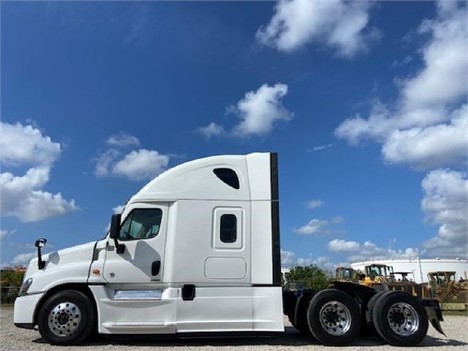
[66, 318]
[370, 309]
[301, 323]
[334, 318]
[400, 319]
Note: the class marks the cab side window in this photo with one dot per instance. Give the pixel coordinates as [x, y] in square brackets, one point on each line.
[141, 224]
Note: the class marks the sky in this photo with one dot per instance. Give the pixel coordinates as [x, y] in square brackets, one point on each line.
[365, 103]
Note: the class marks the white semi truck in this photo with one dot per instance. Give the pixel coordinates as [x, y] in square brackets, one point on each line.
[197, 250]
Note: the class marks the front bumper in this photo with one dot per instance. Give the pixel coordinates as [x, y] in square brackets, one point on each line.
[25, 307]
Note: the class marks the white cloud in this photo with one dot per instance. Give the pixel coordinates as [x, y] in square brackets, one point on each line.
[319, 227]
[23, 197]
[26, 145]
[288, 260]
[316, 203]
[24, 258]
[427, 127]
[430, 147]
[445, 203]
[368, 250]
[382, 122]
[342, 245]
[338, 24]
[123, 139]
[259, 112]
[322, 147]
[211, 130]
[105, 161]
[445, 58]
[136, 165]
[141, 164]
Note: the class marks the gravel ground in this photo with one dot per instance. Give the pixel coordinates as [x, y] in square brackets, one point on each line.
[12, 339]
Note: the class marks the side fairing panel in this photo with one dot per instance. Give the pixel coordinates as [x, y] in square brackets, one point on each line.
[153, 314]
[267, 309]
[262, 267]
[216, 309]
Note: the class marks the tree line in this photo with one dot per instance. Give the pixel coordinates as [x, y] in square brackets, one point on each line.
[10, 283]
[308, 277]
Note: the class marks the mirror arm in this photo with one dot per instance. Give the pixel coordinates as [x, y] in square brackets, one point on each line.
[119, 247]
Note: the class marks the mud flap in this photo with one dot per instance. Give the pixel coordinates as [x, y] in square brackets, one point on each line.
[434, 314]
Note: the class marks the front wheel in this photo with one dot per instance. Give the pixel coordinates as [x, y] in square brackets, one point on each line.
[334, 318]
[400, 319]
[66, 318]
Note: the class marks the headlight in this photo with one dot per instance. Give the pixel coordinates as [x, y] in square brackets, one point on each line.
[25, 287]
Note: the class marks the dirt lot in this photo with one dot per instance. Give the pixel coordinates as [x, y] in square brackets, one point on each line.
[12, 339]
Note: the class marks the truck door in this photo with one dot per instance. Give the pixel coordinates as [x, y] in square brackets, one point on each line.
[134, 299]
[143, 233]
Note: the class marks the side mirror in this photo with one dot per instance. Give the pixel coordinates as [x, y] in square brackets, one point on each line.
[115, 226]
[40, 243]
[115, 231]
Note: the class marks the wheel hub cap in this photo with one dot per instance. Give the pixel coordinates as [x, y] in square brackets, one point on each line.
[403, 319]
[64, 319]
[335, 318]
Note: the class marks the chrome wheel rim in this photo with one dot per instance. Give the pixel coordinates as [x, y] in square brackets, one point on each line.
[403, 319]
[64, 319]
[335, 318]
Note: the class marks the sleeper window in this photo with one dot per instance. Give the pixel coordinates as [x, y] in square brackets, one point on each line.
[228, 228]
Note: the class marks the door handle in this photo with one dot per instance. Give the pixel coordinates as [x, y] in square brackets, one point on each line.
[155, 267]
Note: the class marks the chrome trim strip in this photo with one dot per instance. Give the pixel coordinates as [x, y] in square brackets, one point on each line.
[138, 324]
[138, 294]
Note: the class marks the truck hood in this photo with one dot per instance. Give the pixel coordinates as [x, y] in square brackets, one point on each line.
[70, 255]
[70, 265]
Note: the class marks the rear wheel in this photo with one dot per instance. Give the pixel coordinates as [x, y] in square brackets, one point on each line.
[370, 309]
[334, 318]
[400, 319]
[66, 318]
